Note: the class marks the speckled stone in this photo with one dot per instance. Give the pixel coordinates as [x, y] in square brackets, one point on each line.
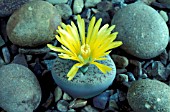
[147, 95]
[33, 24]
[7, 7]
[90, 84]
[142, 30]
[19, 89]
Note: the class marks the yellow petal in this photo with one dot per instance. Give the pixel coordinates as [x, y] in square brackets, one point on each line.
[90, 29]
[74, 70]
[81, 27]
[71, 30]
[113, 36]
[95, 32]
[105, 47]
[63, 25]
[102, 67]
[57, 49]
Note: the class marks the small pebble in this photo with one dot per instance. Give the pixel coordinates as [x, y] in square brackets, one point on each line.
[78, 6]
[89, 108]
[66, 96]
[77, 103]
[70, 2]
[101, 100]
[120, 71]
[167, 70]
[49, 101]
[1, 41]
[71, 110]
[114, 97]
[64, 10]
[34, 50]
[164, 57]
[120, 61]
[3, 23]
[57, 93]
[122, 96]
[164, 15]
[95, 10]
[14, 50]
[157, 71]
[62, 106]
[50, 55]
[122, 78]
[29, 57]
[104, 6]
[86, 13]
[20, 59]
[37, 68]
[91, 3]
[134, 62]
[113, 104]
[138, 71]
[131, 76]
[105, 17]
[6, 55]
[147, 64]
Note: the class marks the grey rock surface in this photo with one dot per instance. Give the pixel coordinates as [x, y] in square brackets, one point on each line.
[147, 95]
[64, 10]
[19, 89]
[7, 7]
[33, 24]
[142, 30]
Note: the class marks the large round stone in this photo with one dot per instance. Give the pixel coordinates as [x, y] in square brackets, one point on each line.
[147, 95]
[142, 30]
[33, 24]
[19, 89]
[7, 7]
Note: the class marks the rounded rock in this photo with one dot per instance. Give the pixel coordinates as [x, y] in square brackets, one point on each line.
[33, 24]
[78, 6]
[147, 95]
[19, 89]
[7, 7]
[142, 30]
[64, 10]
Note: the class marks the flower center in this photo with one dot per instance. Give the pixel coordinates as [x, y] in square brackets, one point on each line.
[85, 51]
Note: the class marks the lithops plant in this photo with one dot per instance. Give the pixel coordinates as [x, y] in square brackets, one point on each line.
[92, 70]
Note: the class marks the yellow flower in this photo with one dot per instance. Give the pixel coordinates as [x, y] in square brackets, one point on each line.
[85, 48]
